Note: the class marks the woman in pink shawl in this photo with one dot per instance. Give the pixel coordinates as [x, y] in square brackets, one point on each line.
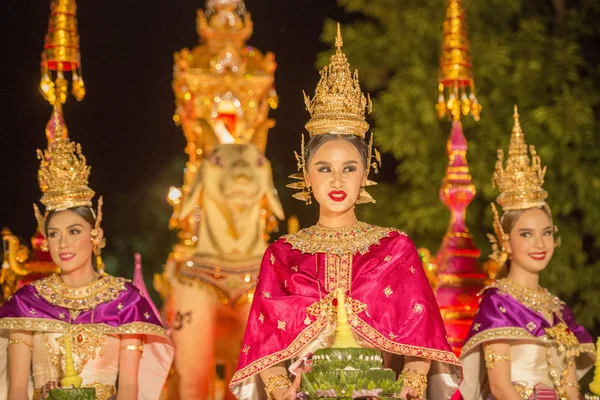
[390, 304]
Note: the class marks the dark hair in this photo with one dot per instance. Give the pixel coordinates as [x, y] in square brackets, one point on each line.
[84, 212]
[508, 221]
[316, 142]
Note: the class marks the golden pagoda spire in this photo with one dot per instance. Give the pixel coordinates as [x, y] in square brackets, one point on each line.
[61, 54]
[456, 76]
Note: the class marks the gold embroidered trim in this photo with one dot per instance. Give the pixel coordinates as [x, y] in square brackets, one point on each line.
[495, 334]
[539, 300]
[303, 339]
[338, 272]
[103, 290]
[371, 335]
[45, 325]
[351, 240]
[588, 348]
[85, 345]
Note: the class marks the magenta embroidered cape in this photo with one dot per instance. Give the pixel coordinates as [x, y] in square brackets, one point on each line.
[392, 306]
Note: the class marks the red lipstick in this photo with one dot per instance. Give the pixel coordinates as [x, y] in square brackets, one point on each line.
[538, 256]
[66, 256]
[337, 195]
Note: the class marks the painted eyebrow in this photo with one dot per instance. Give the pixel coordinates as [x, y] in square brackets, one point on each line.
[327, 163]
[68, 227]
[529, 230]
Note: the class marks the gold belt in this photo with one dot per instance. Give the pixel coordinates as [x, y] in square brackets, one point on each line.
[103, 392]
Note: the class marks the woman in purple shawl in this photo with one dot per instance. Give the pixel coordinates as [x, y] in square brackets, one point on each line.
[108, 322]
[524, 342]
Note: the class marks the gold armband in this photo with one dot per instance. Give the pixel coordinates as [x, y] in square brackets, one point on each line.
[416, 379]
[491, 357]
[133, 347]
[17, 341]
[275, 382]
[572, 384]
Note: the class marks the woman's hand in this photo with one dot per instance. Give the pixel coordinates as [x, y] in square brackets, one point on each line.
[288, 393]
[409, 393]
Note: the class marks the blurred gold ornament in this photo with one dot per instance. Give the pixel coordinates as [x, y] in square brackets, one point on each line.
[456, 74]
[61, 53]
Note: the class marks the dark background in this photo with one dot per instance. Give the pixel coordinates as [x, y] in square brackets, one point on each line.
[124, 124]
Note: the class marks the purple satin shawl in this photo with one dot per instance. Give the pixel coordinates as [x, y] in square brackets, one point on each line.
[500, 310]
[26, 303]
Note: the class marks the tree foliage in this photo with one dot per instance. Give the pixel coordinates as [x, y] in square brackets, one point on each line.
[536, 54]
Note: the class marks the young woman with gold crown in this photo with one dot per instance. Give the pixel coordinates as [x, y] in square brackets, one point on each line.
[388, 301]
[82, 327]
[526, 338]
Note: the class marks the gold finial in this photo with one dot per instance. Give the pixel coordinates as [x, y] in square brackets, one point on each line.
[344, 338]
[338, 105]
[339, 41]
[61, 53]
[455, 68]
[520, 183]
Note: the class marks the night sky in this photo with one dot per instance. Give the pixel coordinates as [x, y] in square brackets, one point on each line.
[124, 124]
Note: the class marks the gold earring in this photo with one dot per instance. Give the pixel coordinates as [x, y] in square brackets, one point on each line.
[364, 197]
[44, 246]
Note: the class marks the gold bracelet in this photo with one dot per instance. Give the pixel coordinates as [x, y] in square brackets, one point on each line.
[573, 384]
[17, 341]
[491, 357]
[275, 382]
[416, 379]
[133, 347]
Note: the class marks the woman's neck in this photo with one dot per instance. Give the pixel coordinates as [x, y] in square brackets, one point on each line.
[79, 277]
[523, 277]
[328, 219]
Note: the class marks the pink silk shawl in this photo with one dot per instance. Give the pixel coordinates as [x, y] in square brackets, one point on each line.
[401, 315]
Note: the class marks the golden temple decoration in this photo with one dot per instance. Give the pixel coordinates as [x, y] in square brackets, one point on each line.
[224, 90]
[338, 105]
[71, 377]
[61, 54]
[456, 84]
[520, 183]
[344, 338]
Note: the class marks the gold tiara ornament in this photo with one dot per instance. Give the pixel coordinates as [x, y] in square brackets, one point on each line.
[520, 182]
[338, 105]
[520, 185]
[63, 174]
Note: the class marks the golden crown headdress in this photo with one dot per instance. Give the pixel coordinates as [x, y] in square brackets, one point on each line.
[338, 107]
[520, 184]
[63, 173]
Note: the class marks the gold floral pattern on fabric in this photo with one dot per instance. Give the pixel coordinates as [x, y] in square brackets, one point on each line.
[261, 318]
[418, 308]
[531, 326]
[496, 334]
[281, 325]
[565, 338]
[52, 325]
[539, 300]
[371, 335]
[103, 290]
[326, 308]
[85, 345]
[351, 240]
[245, 349]
[338, 272]
[476, 326]
[388, 291]
[301, 341]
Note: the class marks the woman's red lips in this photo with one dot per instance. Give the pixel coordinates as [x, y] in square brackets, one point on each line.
[538, 256]
[337, 195]
[66, 256]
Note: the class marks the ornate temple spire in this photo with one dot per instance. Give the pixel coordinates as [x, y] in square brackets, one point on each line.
[454, 271]
[61, 54]
[456, 85]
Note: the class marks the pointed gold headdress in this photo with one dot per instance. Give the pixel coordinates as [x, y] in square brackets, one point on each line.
[338, 107]
[63, 177]
[520, 184]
